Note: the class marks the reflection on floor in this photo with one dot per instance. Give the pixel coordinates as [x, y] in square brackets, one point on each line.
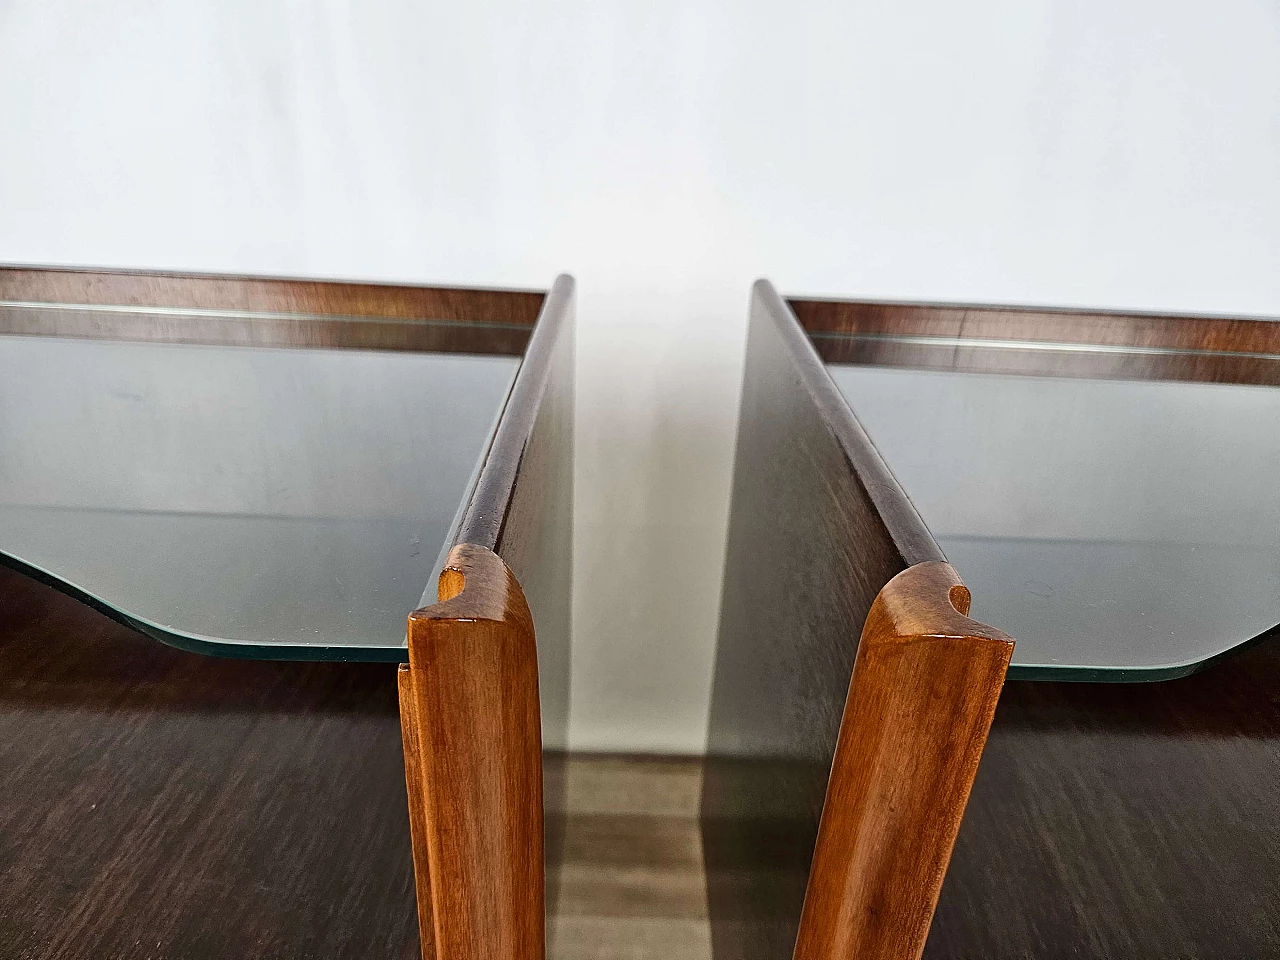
[632, 884]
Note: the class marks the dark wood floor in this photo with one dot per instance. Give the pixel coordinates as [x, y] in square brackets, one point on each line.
[1124, 820]
[160, 804]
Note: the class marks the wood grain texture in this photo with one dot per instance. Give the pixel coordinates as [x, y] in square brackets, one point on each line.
[1124, 820]
[470, 700]
[260, 311]
[419, 828]
[818, 526]
[160, 805]
[269, 295]
[521, 508]
[1113, 345]
[1169, 331]
[485, 516]
[535, 539]
[807, 553]
[924, 688]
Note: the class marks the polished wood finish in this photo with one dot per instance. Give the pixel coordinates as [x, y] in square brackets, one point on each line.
[1046, 324]
[470, 698]
[1124, 820]
[269, 295]
[469, 701]
[157, 803]
[818, 528]
[522, 508]
[924, 688]
[536, 536]
[543, 372]
[258, 311]
[1043, 341]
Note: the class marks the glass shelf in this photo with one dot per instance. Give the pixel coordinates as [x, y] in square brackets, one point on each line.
[244, 501]
[1118, 530]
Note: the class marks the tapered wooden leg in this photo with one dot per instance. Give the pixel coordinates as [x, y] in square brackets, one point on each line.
[921, 699]
[473, 762]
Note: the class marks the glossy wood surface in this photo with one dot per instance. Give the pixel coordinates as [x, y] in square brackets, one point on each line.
[522, 506]
[269, 294]
[924, 688]
[259, 311]
[536, 536]
[1043, 341]
[470, 700]
[1124, 820]
[818, 526]
[469, 703]
[161, 804]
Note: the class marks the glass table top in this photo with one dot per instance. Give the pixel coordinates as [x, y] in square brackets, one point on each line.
[243, 501]
[1117, 530]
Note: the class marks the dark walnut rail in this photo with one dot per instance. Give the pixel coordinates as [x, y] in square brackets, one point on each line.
[852, 696]
[261, 311]
[480, 693]
[1043, 341]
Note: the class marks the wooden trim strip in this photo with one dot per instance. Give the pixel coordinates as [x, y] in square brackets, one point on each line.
[268, 295]
[903, 521]
[473, 762]
[1100, 327]
[264, 312]
[486, 512]
[1044, 341]
[261, 330]
[1019, 358]
[921, 700]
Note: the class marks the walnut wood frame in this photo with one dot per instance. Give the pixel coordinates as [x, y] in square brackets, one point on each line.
[852, 694]
[473, 715]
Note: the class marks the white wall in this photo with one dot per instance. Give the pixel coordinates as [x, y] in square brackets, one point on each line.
[1098, 152]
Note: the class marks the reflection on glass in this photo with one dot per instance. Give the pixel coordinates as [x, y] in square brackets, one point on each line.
[283, 498]
[1128, 527]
